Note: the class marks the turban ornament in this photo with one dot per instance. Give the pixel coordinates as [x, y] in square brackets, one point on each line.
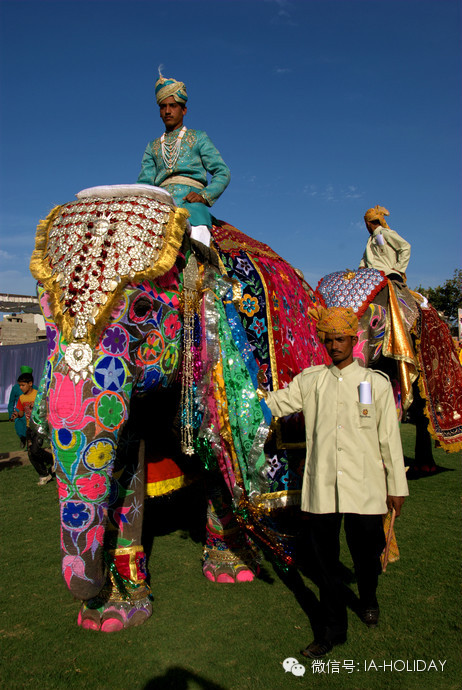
[377, 213]
[338, 320]
[170, 87]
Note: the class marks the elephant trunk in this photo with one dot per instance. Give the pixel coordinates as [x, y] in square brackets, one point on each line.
[86, 437]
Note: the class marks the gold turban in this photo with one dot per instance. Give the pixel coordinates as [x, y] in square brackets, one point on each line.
[338, 320]
[170, 87]
[377, 213]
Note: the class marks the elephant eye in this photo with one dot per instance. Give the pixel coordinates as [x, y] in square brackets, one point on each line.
[142, 307]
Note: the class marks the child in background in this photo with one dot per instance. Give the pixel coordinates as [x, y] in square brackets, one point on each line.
[20, 422]
[40, 459]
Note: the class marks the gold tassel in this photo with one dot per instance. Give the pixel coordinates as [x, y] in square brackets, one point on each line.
[190, 294]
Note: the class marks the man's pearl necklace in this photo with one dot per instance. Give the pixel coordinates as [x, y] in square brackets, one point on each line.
[171, 150]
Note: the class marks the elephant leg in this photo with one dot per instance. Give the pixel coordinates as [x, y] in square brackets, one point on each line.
[229, 555]
[423, 461]
[125, 600]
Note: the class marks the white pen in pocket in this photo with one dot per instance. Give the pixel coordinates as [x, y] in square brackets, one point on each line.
[365, 393]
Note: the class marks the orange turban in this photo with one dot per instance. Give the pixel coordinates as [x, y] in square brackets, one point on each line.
[377, 213]
[338, 320]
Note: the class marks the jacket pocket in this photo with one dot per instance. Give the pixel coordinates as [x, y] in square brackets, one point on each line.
[366, 415]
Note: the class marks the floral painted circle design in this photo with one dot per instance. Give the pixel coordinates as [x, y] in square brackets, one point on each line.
[93, 487]
[170, 358]
[99, 454]
[171, 325]
[76, 516]
[110, 373]
[110, 411]
[114, 340]
[152, 349]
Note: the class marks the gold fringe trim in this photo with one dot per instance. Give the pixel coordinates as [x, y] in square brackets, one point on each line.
[38, 266]
[40, 269]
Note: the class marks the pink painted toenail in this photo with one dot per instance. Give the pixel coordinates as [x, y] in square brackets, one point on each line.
[245, 576]
[209, 575]
[89, 624]
[112, 625]
[224, 577]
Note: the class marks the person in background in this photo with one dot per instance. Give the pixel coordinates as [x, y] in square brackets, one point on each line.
[20, 425]
[39, 458]
[385, 249]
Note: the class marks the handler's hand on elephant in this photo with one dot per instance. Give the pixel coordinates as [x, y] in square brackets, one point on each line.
[194, 198]
[395, 502]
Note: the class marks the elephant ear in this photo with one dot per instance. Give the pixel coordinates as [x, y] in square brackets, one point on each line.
[87, 251]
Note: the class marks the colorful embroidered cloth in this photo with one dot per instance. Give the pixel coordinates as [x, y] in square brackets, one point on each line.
[273, 306]
[440, 381]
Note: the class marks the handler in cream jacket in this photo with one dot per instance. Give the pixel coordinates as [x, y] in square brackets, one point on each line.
[354, 468]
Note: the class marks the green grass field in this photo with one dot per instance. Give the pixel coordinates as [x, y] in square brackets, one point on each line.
[227, 637]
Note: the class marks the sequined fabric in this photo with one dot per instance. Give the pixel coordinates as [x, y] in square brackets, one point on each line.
[353, 289]
[272, 304]
[88, 250]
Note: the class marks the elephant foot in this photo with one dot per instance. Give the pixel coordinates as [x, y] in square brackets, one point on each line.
[125, 600]
[227, 563]
[88, 622]
[113, 614]
[230, 574]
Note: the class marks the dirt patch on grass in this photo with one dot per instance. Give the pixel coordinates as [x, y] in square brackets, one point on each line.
[16, 459]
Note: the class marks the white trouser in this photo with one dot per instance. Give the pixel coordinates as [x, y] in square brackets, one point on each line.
[201, 233]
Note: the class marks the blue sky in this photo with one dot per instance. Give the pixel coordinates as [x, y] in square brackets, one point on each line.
[321, 108]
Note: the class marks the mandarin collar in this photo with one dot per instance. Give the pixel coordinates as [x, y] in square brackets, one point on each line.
[346, 371]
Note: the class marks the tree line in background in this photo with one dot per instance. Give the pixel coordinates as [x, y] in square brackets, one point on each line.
[446, 298]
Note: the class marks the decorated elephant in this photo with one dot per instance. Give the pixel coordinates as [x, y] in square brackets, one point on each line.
[402, 334]
[130, 310]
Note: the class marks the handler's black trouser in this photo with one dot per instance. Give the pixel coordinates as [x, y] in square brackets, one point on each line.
[366, 541]
[40, 459]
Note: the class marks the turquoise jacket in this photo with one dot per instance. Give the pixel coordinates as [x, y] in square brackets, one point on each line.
[198, 156]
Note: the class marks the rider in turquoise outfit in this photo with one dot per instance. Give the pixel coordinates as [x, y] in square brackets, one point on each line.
[180, 160]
